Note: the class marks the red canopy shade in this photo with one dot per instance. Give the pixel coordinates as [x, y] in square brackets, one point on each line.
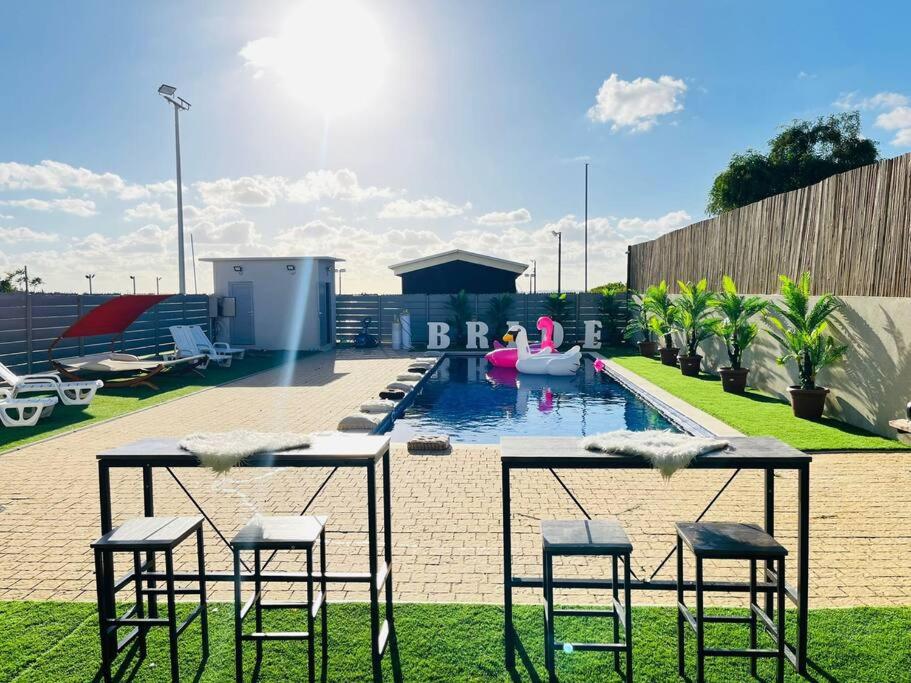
[113, 316]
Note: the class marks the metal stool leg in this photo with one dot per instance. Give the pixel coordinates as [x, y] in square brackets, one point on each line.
[140, 601]
[681, 633]
[549, 663]
[101, 580]
[700, 624]
[311, 645]
[753, 642]
[325, 607]
[172, 615]
[258, 603]
[781, 625]
[628, 612]
[615, 593]
[203, 598]
[238, 625]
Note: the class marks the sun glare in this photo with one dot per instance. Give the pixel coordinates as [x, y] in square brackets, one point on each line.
[329, 53]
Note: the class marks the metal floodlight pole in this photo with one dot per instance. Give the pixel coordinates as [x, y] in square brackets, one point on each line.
[157, 282]
[340, 271]
[133, 278]
[90, 277]
[559, 235]
[586, 226]
[167, 92]
[534, 274]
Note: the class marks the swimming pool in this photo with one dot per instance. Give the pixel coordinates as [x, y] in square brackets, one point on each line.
[474, 402]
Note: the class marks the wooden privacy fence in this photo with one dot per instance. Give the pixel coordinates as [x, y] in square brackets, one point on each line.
[29, 325]
[852, 231]
[382, 309]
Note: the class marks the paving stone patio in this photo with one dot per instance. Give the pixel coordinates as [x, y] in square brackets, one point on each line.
[446, 509]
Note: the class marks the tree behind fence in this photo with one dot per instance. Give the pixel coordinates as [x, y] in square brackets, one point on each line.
[382, 309]
[30, 324]
[851, 231]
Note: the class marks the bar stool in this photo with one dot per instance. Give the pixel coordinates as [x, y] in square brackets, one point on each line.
[730, 541]
[138, 536]
[275, 534]
[581, 537]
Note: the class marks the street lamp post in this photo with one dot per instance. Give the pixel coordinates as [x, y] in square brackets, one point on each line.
[90, 277]
[167, 92]
[534, 274]
[157, 282]
[559, 235]
[133, 278]
[586, 227]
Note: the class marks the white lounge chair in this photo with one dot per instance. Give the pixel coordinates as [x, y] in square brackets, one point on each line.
[125, 369]
[70, 393]
[24, 412]
[185, 346]
[202, 340]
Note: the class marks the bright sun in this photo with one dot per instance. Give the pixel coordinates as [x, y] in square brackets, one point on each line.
[330, 53]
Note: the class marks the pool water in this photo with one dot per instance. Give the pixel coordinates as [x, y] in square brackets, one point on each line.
[474, 402]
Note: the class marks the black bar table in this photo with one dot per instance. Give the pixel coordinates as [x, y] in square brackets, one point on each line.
[758, 453]
[330, 451]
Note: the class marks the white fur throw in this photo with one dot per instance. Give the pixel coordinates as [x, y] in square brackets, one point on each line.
[220, 451]
[360, 421]
[402, 386]
[666, 451]
[409, 377]
[380, 405]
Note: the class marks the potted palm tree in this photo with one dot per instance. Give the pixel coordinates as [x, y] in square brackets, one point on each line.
[664, 318]
[694, 309]
[499, 309]
[801, 330]
[735, 328]
[639, 324]
[459, 306]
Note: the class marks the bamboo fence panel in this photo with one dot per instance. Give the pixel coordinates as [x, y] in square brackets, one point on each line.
[851, 231]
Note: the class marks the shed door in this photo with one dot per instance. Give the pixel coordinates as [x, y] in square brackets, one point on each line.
[325, 314]
[242, 322]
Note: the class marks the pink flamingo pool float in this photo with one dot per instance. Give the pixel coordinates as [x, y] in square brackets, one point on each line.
[508, 356]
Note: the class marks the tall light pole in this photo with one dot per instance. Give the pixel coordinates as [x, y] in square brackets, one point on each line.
[559, 235]
[167, 92]
[534, 274]
[157, 282]
[133, 278]
[339, 271]
[90, 277]
[586, 226]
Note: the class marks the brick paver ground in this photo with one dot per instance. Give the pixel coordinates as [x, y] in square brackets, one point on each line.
[446, 509]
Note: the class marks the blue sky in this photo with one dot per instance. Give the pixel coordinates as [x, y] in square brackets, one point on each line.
[450, 124]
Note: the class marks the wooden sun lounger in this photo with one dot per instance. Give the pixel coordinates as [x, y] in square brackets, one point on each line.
[136, 371]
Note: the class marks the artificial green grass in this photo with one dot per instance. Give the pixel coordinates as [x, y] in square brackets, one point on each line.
[754, 413]
[47, 641]
[113, 402]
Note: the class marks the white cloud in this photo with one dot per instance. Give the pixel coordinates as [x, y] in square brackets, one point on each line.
[245, 191]
[77, 207]
[637, 104]
[23, 234]
[805, 76]
[241, 232]
[505, 217]
[430, 207]
[894, 112]
[59, 177]
[340, 184]
[882, 100]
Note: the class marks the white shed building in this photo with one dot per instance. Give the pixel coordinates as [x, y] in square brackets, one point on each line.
[275, 302]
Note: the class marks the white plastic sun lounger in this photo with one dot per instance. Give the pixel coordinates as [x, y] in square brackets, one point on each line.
[24, 412]
[71, 393]
[185, 345]
[202, 341]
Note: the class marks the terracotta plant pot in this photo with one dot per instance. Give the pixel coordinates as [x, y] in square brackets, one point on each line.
[734, 381]
[648, 348]
[689, 365]
[808, 404]
[669, 355]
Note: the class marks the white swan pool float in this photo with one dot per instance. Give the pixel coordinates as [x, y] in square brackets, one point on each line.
[544, 363]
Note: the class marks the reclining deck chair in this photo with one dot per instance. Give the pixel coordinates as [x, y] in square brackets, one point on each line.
[119, 369]
[185, 345]
[70, 393]
[24, 412]
[202, 341]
